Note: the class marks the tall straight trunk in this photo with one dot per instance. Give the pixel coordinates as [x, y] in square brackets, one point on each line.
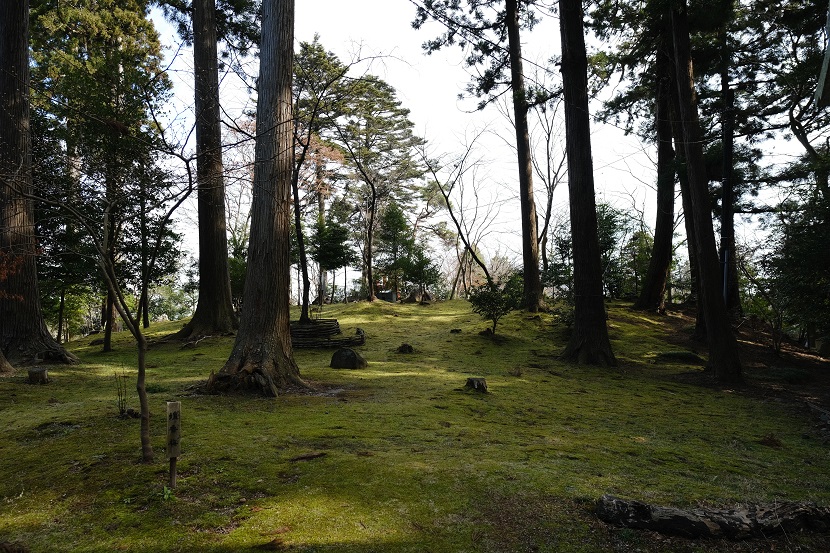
[61, 308]
[109, 321]
[653, 295]
[370, 235]
[532, 295]
[723, 349]
[23, 333]
[214, 310]
[688, 217]
[304, 283]
[729, 265]
[589, 343]
[262, 359]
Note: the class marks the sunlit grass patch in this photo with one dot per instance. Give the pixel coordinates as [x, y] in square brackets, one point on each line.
[397, 456]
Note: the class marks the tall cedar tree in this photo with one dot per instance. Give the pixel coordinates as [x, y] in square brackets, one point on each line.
[653, 294]
[589, 343]
[319, 92]
[262, 360]
[472, 31]
[23, 333]
[377, 139]
[723, 349]
[214, 310]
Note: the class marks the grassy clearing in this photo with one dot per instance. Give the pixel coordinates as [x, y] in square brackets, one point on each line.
[398, 457]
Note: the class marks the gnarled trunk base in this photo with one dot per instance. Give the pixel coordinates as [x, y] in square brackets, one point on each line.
[198, 327]
[37, 349]
[257, 373]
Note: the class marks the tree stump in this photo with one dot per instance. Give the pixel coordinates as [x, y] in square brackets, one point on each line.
[38, 375]
[756, 521]
[405, 348]
[477, 384]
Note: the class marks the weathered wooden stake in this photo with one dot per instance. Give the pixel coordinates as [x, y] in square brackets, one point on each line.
[174, 432]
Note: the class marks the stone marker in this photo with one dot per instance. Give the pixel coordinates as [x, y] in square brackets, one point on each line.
[347, 358]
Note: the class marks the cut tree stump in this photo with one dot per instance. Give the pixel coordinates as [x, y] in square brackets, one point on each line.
[477, 384]
[740, 523]
[38, 375]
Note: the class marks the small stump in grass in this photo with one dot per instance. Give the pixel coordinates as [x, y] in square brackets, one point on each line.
[38, 375]
[477, 384]
[347, 358]
[405, 348]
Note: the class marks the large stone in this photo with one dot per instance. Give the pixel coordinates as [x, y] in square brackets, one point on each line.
[347, 358]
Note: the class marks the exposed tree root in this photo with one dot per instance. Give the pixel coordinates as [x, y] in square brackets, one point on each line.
[757, 521]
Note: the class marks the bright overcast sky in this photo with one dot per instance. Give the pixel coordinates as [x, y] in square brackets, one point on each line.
[429, 87]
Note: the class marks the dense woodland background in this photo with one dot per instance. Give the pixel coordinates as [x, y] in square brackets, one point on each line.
[328, 175]
[326, 180]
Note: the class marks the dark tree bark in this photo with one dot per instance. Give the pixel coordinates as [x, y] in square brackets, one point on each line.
[532, 295]
[214, 310]
[109, 318]
[302, 263]
[653, 294]
[262, 360]
[589, 343]
[23, 334]
[729, 265]
[370, 241]
[5, 366]
[723, 349]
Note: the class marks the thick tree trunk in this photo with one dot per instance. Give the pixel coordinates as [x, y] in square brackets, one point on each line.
[214, 310]
[262, 359]
[532, 295]
[723, 349]
[23, 334]
[589, 343]
[652, 296]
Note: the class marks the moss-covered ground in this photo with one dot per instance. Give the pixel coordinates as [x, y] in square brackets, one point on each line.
[398, 456]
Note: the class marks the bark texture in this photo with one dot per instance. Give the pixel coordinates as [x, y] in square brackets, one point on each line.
[757, 521]
[214, 310]
[589, 343]
[23, 334]
[653, 294]
[5, 366]
[262, 360]
[532, 295]
[723, 349]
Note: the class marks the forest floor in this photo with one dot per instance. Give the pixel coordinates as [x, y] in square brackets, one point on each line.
[399, 457]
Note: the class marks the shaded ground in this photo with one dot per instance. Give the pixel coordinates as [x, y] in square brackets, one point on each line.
[796, 374]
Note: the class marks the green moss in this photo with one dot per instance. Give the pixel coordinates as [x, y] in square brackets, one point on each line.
[394, 457]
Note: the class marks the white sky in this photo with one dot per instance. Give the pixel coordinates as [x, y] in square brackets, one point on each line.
[429, 86]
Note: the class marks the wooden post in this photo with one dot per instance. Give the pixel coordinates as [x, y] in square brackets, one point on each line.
[174, 431]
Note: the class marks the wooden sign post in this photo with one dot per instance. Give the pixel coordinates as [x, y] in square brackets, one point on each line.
[174, 432]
